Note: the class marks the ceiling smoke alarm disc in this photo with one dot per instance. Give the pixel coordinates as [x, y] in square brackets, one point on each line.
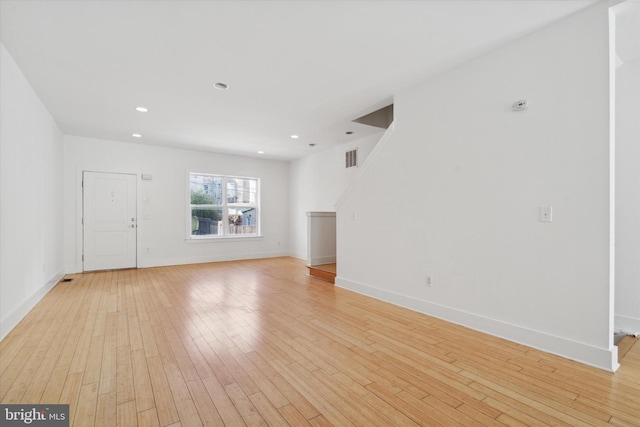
[523, 104]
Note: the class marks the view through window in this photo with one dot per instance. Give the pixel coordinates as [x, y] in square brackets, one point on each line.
[223, 206]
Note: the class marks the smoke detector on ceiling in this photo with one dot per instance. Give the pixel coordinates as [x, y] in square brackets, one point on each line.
[523, 104]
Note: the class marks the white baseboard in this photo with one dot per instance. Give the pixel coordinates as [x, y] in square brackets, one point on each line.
[602, 358]
[299, 255]
[626, 324]
[319, 260]
[156, 262]
[10, 321]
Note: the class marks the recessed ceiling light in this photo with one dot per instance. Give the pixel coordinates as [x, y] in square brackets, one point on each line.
[136, 135]
[221, 86]
[294, 137]
[312, 145]
[142, 109]
[349, 132]
[260, 152]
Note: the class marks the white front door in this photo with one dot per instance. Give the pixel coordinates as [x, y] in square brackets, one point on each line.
[109, 221]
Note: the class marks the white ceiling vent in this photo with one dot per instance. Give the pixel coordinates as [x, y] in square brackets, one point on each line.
[351, 158]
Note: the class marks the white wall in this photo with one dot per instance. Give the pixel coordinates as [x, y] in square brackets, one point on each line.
[317, 181]
[31, 261]
[454, 192]
[164, 232]
[627, 292]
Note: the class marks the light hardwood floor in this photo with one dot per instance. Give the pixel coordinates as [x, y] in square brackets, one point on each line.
[260, 343]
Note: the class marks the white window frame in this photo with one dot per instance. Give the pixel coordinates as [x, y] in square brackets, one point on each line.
[225, 206]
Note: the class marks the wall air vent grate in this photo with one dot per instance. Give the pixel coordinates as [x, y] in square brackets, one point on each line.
[351, 158]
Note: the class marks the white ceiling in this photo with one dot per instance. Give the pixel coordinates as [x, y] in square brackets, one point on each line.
[293, 67]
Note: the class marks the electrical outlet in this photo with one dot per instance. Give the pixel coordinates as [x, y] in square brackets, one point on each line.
[428, 281]
[545, 214]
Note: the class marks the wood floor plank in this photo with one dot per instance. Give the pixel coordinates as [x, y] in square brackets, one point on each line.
[615, 421]
[177, 384]
[36, 388]
[257, 342]
[141, 381]
[438, 416]
[106, 410]
[267, 411]
[310, 393]
[415, 412]
[108, 368]
[125, 390]
[12, 373]
[70, 393]
[206, 408]
[148, 418]
[513, 403]
[163, 399]
[55, 384]
[246, 408]
[94, 360]
[347, 407]
[198, 360]
[222, 402]
[265, 386]
[10, 346]
[387, 411]
[292, 416]
[85, 415]
[126, 414]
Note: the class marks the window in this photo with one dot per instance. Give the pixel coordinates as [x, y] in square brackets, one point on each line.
[223, 206]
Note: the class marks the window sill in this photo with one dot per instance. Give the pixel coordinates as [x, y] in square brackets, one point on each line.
[211, 239]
